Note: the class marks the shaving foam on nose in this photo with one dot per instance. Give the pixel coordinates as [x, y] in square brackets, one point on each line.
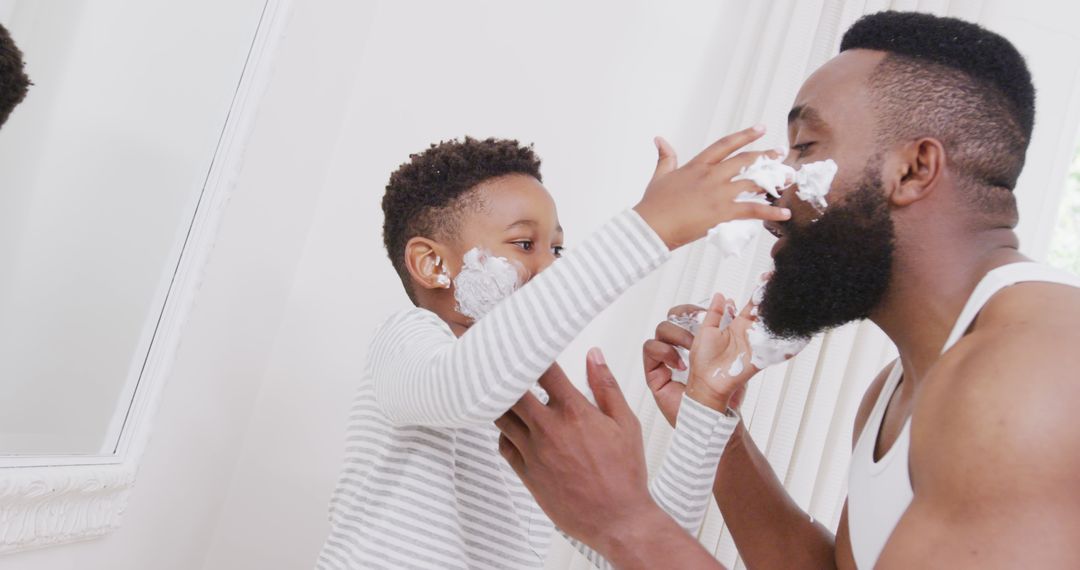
[814, 180]
[484, 281]
[770, 174]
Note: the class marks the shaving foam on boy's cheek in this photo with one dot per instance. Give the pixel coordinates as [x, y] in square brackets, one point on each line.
[483, 281]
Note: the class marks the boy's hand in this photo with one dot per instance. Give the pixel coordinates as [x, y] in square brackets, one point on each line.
[659, 357]
[720, 359]
[681, 204]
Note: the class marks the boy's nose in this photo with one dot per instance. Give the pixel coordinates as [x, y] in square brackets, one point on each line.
[544, 261]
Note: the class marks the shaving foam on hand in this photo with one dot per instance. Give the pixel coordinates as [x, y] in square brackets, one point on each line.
[732, 238]
[484, 281]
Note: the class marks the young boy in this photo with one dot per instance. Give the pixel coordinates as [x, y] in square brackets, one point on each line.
[467, 223]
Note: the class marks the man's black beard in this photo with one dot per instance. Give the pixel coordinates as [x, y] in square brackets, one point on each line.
[835, 270]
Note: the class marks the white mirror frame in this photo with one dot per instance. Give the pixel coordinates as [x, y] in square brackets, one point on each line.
[60, 499]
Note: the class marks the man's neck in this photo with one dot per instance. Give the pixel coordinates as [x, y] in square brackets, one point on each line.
[930, 286]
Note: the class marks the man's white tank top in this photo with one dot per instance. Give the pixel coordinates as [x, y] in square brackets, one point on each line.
[879, 492]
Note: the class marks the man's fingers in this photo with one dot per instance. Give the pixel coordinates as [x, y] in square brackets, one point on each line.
[666, 160]
[559, 388]
[723, 148]
[512, 427]
[609, 397]
[529, 409]
[512, 455]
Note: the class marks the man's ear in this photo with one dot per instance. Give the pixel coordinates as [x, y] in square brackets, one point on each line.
[424, 260]
[915, 171]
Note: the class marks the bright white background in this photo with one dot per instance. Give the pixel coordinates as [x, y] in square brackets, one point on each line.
[248, 441]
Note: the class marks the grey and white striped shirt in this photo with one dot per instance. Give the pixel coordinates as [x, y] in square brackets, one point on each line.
[423, 485]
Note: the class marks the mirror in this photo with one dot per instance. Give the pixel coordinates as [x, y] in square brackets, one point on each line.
[102, 168]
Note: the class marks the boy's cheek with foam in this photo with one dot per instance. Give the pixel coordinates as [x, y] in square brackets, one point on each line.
[484, 280]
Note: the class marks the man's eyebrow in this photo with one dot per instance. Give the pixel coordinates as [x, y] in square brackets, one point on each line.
[808, 115]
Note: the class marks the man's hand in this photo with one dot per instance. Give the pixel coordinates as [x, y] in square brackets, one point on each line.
[681, 204]
[585, 466]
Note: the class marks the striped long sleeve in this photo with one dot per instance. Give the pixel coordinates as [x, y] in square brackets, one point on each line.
[683, 484]
[423, 375]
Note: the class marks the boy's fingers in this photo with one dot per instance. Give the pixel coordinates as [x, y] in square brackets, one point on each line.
[681, 310]
[755, 211]
[673, 334]
[723, 148]
[716, 311]
[661, 354]
[666, 160]
[609, 398]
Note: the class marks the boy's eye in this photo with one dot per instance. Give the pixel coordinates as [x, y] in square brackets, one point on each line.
[525, 245]
[557, 250]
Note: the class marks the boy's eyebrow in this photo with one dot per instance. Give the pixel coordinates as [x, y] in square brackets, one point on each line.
[531, 224]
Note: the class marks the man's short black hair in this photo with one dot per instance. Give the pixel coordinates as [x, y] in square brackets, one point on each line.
[955, 81]
[427, 195]
[13, 80]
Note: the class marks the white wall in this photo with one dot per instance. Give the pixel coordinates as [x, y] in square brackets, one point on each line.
[185, 473]
[102, 165]
[240, 468]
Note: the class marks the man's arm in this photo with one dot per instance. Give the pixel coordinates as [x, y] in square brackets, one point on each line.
[995, 456]
[768, 527]
[585, 465]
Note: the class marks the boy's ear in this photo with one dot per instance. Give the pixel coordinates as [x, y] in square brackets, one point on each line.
[423, 258]
[917, 168]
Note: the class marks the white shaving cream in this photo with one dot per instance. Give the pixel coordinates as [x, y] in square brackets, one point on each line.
[483, 281]
[732, 238]
[737, 366]
[814, 180]
[765, 348]
[771, 174]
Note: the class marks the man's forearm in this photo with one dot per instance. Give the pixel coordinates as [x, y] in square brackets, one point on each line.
[769, 529]
[655, 540]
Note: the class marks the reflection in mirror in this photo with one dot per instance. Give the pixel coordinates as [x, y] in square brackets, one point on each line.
[101, 168]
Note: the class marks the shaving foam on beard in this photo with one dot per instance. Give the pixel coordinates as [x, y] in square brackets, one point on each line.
[766, 349]
[484, 281]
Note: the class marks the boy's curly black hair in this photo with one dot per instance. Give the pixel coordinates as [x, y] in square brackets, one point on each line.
[426, 195]
[13, 80]
[955, 81]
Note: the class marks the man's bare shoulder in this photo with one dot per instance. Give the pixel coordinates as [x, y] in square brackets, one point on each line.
[1003, 399]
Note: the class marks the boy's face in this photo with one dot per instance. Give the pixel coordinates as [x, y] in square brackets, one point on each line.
[516, 219]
